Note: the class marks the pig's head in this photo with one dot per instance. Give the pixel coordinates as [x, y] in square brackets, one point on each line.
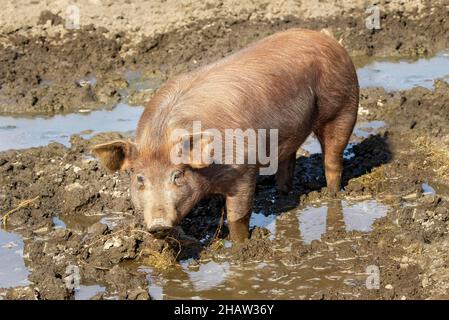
[163, 191]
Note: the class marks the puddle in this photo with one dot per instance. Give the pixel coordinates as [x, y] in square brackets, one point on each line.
[263, 280]
[435, 188]
[261, 220]
[427, 190]
[365, 129]
[361, 216]
[86, 292]
[80, 223]
[13, 272]
[361, 131]
[278, 279]
[58, 223]
[404, 74]
[137, 81]
[20, 133]
[132, 75]
[208, 275]
[312, 222]
[311, 145]
[113, 220]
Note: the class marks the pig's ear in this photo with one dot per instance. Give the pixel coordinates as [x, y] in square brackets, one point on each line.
[196, 149]
[115, 155]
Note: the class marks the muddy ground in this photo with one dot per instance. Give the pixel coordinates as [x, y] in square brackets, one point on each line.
[41, 65]
[46, 68]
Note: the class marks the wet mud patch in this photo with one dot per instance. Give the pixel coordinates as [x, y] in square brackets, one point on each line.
[13, 270]
[83, 219]
[391, 215]
[390, 220]
[283, 261]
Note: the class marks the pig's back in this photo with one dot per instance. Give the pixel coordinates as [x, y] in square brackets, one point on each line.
[273, 83]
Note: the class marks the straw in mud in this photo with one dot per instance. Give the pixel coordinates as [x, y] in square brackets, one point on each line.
[164, 260]
[217, 243]
[21, 205]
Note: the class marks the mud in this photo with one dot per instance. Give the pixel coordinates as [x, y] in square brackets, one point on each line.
[392, 214]
[44, 68]
[84, 218]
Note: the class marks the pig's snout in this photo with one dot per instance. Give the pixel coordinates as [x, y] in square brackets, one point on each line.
[159, 226]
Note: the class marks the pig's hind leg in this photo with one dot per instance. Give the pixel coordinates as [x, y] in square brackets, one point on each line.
[334, 137]
[285, 174]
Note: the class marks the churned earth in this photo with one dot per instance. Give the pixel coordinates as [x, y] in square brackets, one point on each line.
[384, 237]
[48, 68]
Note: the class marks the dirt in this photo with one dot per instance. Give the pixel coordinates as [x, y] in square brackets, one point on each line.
[42, 64]
[390, 166]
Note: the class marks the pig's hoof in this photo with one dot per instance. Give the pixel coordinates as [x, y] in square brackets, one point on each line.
[331, 193]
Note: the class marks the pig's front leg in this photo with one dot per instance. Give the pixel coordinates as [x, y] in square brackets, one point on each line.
[239, 204]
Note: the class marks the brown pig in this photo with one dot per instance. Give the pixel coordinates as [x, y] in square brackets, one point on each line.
[294, 82]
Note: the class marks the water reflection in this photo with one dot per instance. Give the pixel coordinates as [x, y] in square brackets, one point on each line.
[13, 271]
[208, 275]
[362, 130]
[405, 74]
[20, 132]
[87, 292]
[312, 222]
[279, 279]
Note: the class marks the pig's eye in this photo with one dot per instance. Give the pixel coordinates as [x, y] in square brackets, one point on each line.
[176, 177]
[140, 181]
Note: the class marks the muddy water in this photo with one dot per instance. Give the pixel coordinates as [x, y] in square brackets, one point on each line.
[404, 74]
[13, 271]
[20, 133]
[81, 223]
[278, 279]
[362, 130]
[85, 292]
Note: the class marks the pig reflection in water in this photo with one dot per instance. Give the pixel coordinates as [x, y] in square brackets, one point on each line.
[333, 219]
[213, 280]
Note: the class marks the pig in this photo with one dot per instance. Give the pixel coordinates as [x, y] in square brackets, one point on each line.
[296, 81]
